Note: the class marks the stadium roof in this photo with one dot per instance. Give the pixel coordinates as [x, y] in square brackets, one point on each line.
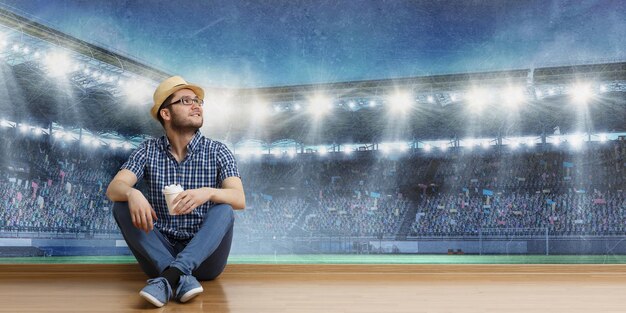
[90, 93]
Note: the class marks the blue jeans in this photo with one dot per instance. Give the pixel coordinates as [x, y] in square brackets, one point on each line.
[204, 256]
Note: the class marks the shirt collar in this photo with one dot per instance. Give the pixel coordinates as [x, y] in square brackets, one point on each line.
[195, 141]
[191, 146]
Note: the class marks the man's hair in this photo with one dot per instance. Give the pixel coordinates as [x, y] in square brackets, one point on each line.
[165, 102]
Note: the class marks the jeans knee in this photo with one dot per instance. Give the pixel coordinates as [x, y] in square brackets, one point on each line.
[225, 211]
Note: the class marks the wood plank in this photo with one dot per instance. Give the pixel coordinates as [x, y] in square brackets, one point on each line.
[325, 288]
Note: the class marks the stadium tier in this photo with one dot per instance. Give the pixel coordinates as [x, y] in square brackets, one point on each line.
[51, 186]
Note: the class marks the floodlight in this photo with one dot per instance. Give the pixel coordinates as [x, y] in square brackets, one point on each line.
[319, 105]
[513, 96]
[58, 63]
[581, 93]
[477, 98]
[427, 147]
[323, 151]
[431, 99]
[372, 103]
[576, 141]
[400, 101]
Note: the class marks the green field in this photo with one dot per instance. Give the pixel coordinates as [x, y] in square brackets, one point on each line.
[352, 259]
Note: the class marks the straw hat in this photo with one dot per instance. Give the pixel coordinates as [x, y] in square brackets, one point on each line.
[167, 88]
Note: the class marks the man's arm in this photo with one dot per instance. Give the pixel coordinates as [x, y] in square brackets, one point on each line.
[121, 189]
[121, 185]
[230, 193]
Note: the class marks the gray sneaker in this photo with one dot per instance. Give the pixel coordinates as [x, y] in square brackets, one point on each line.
[157, 291]
[188, 287]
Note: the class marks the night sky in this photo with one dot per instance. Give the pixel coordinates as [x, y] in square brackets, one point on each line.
[275, 43]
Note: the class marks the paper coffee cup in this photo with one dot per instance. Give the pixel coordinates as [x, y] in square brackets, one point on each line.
[171, 192]
[169, 199]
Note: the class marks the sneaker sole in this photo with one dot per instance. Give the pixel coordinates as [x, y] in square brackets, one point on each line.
[151, 299]
[191, 293]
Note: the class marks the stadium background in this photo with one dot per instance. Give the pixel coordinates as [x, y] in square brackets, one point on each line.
[524, 162]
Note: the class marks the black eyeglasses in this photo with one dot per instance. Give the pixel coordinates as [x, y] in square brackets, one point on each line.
[188, 101]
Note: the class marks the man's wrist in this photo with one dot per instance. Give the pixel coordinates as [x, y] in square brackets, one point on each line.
[208, 191]
[129, 192]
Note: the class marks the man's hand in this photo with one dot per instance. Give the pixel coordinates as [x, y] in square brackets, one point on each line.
[190, 199]
[141, 212]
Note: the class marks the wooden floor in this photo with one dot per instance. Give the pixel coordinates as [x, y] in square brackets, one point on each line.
[326, 288]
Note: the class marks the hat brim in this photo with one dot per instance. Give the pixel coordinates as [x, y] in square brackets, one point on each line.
[196, 89]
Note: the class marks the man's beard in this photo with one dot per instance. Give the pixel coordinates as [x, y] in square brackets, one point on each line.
[182, 124]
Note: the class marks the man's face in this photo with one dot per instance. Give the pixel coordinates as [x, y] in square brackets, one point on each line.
[185, 117]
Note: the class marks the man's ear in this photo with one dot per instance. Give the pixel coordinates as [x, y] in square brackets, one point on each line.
[165, 114]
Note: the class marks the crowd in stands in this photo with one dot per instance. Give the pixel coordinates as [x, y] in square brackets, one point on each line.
[49, 185]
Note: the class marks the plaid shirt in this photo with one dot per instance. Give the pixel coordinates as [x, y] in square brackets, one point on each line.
[207, 164]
